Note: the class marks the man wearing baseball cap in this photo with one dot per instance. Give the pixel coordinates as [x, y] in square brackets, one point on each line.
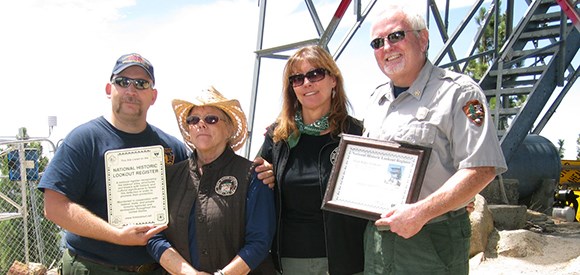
[133, 59]
[74, 183]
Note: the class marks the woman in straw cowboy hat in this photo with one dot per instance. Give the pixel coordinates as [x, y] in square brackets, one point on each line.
[221, 215]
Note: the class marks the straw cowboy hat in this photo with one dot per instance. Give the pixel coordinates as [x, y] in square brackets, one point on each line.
[212, 98]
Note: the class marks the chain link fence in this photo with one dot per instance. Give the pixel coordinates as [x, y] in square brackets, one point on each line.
[25, 234]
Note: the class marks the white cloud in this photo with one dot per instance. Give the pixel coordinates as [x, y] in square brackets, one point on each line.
[52, 57]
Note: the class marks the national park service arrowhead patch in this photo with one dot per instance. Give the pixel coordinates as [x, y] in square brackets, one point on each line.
[473, 109]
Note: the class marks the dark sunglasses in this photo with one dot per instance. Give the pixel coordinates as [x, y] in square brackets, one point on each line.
[125, 82]
[393, 38]
[209, 119]
[313, 76]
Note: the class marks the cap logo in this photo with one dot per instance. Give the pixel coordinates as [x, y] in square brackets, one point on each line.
[134, 58]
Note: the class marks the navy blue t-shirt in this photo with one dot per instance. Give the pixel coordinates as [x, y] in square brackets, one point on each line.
[78, 171]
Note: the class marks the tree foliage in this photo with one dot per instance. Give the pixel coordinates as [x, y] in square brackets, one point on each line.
[578, 148]
[561, 148]
[479, 66]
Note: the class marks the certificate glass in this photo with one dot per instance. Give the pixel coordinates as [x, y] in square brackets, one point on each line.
[371, 176]
[136, 189]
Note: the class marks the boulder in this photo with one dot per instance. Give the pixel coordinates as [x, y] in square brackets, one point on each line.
[509, 217]
[481, 226]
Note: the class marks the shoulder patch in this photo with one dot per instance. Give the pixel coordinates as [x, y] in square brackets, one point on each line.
[169, 156]
[473, 109]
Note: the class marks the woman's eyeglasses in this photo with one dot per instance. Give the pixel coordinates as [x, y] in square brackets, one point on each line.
[393, 38]
[209, 119]
[313, 76]
[125, 82]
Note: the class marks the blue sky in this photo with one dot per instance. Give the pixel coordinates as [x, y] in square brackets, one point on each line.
[58, 54]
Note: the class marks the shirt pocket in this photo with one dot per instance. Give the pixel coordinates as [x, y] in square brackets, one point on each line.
[418, 133]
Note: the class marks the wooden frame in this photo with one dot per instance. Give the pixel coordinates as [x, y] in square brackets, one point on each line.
[371, 176]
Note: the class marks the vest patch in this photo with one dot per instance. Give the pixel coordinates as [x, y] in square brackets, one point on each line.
[334, 155]
[226, 186]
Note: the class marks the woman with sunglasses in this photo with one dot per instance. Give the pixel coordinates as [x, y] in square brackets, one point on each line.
[221, 216]
[302, 147]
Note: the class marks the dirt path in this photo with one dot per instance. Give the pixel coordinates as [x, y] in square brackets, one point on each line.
[527, 252]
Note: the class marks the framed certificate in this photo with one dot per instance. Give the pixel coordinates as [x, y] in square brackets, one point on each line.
[136, 186]
[371, 176]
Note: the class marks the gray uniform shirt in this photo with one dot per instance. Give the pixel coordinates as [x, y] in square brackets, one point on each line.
[444, 111]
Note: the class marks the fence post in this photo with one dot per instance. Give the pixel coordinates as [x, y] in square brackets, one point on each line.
[24, 209]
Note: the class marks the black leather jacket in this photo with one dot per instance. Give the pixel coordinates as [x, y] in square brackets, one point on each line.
[344, 234]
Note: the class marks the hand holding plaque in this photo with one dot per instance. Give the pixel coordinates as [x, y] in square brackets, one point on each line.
[371, 176]
[136, 186]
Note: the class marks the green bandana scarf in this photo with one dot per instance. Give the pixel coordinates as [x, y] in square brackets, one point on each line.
[313, 129]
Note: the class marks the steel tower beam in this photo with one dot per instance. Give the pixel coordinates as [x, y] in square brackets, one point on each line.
[325, 34]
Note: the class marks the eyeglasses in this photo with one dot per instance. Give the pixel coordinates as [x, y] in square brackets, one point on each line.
[393, 38]
[313, 76]
[209, 119]
[125, 82]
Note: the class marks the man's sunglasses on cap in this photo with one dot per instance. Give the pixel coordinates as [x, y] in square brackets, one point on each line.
[125, 82]
[393, 38]
[313, 76]
[209, 119]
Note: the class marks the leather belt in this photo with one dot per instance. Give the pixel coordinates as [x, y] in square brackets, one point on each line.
[144, 268]
[444, 217]
[448, 215]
